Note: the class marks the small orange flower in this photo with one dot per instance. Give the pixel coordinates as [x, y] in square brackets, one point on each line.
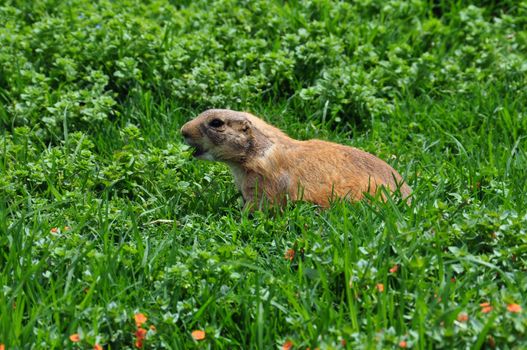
[287, 345]
[486, 307]
[140, 334]
[2, 347]
[514, 308]
[380, 287]
[75, 338]
[343, 342]
[462, 317]
[140, 319]
[198, 334]
[394, 268]
[54, 230]
[290, 254]
[403, 344]
[97, 347]
[67, 228]
[153, 328]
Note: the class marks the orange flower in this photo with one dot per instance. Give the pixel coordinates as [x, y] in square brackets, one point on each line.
[140, 334]
[140, 319]
[343, 342]
[486, 307]
[403, 344]
[153, 328]
[198, 334]
[514, 308]
[380, 287]
[97, 347]
[54, 230]
[2, 347]
[394, 268]
[462, 317]
[75, 338]
[290, 254]
[287, 345]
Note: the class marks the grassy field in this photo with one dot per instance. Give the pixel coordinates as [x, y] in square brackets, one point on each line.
[105, 217]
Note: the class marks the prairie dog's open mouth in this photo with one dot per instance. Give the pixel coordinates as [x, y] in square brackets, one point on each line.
[198, 150]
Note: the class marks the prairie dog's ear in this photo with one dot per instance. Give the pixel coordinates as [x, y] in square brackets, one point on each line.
[242, 125]
[246, 126]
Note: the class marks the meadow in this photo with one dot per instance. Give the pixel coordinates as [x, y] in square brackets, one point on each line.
[113, 237]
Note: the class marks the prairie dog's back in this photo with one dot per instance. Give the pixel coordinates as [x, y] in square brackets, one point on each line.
[313, 164]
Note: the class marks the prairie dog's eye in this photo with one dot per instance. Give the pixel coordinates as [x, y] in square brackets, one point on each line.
[216, 123]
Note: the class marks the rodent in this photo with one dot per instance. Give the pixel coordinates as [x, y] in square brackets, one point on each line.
[268, 165]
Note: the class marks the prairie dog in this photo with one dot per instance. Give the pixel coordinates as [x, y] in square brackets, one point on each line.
[268, 165]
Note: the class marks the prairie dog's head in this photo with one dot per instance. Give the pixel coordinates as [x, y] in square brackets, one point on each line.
[220, 134]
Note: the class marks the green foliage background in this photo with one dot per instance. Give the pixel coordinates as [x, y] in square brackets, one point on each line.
[92, 96]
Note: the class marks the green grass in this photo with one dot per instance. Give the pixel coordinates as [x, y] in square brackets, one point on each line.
[92, 97]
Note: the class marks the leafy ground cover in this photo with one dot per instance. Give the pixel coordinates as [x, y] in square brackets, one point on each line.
[112, 237]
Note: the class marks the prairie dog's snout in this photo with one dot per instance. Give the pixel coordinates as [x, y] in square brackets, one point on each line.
[193, 137]
[191, 131]
[185, 132]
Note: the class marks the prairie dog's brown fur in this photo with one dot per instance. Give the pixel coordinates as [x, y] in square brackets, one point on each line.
[269, 165]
